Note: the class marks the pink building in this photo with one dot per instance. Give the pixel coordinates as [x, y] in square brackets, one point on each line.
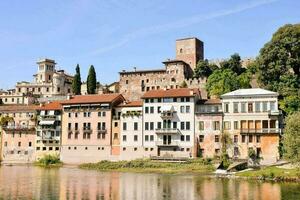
[87, 128]
[18, 133]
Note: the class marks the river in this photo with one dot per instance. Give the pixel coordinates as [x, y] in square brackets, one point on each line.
[28, 182]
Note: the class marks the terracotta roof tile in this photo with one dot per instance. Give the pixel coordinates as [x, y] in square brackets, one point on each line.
[181, 92]
[209, 101]
[103, 98]
[131, 104]
[56, 105]
[18, 108]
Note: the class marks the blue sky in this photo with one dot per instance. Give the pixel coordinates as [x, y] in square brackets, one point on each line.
[114, 35]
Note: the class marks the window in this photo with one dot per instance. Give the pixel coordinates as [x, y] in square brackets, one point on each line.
[188, 108]
[250, 138]
[151, 109]
[235, 139]
[126, 81]
[5, 144]
[158, 109]
[181, 109]
[272, 106]
[115, 135]
[201, 138]
[243, 107]
[124, 138]
[135, 138]
[188, 126]
[182, 137]
[265, 106]
[146, 126]
[235, 107]
[257, 138]
[151, 125]
[146, 138]
[103, 114]
[29, 144]
[99, 114]
[124, 126]
[146, 109]
[250, 107]
[174, 124]
[151, 137]
[158, 125]
[243, 138]
[116, 124]
[216, 125]
[182, 125]
[201, 125]
[187, 99]
[257, 106]
[135, 126]
[236, 125]
[226, 107]
[217, 138]
[188, 138]
[226, 125]
[19, 144]
[70, 115]
[56, 148]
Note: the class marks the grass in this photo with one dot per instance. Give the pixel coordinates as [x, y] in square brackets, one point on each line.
[272, 173]
[146, 165]
[49, 160]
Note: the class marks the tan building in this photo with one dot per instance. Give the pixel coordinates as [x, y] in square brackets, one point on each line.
[87, 128]
[18, 134]
[133, 84]
[48, 82]
[48, 130]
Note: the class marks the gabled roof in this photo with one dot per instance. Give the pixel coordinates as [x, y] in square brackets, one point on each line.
[131, 104]
[18, 108]
[249, 92]
[56, 105]
[180, 92]
[86, 99]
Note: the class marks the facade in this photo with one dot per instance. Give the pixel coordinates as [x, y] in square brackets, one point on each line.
[87, 128]
[252, 117]
[208, 127]
[131, 134]
[48, 82]
[48, 130]
[169, 122]
[134, 84]
[18, 134]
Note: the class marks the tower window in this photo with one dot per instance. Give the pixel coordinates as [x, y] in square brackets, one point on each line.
[181, 50]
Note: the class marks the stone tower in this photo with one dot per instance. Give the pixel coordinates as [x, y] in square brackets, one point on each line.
[45, 71]
[189, 50]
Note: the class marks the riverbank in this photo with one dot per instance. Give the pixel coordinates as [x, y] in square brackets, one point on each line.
[148, 166]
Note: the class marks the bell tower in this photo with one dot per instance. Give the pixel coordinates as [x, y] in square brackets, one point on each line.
[46, 69]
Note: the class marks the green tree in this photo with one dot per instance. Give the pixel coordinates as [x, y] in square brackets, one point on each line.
[233, 63]
[291, 138]
[226, 144]
[183, 84]
[91, 81]
[221, 82]
[76, 84]
[202, 69]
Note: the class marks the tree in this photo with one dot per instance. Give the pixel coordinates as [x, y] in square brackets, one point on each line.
[226, 143]
[202, 69]
[76, 84]
[183, 85]
[221, 82]
[233, 63]
[91, 81]
[291, 138]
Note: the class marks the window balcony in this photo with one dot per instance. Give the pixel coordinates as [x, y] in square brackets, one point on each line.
[261, 131]
[275, 112]
[168, 131]
[102, 131]
[87, 130]
[167, 115]
[19, 128]
[167, 144]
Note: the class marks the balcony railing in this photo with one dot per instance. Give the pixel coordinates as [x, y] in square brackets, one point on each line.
[275, 113]
[47, 117]
[18, 128]
[87, 129]
[73, 130]
[168, 131]
[262, 130]
[102, 130]
[167, 114]
[167, 144]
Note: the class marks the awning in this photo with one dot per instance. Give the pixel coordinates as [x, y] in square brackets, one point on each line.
[47, 122]
[167, 108]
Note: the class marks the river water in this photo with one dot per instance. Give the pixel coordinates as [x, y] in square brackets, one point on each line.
[28, 182]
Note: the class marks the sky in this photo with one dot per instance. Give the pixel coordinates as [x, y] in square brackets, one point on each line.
[116, 35]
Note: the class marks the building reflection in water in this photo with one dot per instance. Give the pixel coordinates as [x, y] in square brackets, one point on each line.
[25, 182]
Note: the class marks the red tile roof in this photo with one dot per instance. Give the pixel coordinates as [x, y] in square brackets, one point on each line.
[181, 92]
[56, 105]
[85, 99]
[131, 104]
[209, 101]
[18, 108]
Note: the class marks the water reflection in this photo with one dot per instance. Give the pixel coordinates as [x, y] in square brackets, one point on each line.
[26, 182]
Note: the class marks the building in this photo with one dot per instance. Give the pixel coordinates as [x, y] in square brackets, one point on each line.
[18, 134]
[208, 127]
[48, 82]
[48, 130]
[252, 117]
[131, 134]
[169, 122]
[87, 128]
[134, 84]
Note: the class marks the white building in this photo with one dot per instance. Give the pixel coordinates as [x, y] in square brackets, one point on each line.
[168, 124]
[253, 118]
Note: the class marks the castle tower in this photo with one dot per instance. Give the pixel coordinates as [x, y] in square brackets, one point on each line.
[45, 71]
[189, 50]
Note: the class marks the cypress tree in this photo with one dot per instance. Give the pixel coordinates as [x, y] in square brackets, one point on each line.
[76, 84]
[91, 81]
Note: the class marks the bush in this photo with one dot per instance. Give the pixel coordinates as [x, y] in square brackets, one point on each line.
[49, 159]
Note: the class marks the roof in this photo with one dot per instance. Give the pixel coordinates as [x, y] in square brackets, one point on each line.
[85, 99]
[131, 104]
[209, 101]
[174, 61]
[18, 108]
[180, 92]
[56, 105]
[143, 71]
[188, 38]
[250, 92]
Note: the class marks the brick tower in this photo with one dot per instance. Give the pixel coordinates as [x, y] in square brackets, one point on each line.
[189, 50]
